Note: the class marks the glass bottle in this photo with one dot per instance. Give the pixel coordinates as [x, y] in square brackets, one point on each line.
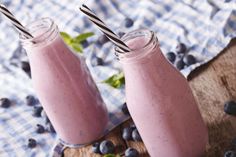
[64, 85]
[160, 100]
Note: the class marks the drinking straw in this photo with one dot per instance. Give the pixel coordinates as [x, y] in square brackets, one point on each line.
[102, 26]
[21, 29]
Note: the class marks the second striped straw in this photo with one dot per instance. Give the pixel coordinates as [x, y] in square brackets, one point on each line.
[102, 26]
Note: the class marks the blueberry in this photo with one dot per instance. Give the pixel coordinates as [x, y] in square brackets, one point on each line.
[171, 56]
[181, 48]
[85, 43]
[131, 152]
[40, 129]
[230, 154]
[45, 117]
[50, 128]
[5, 103]
[136, 136]
[189, 60]
[125, 109]
[127, 133]
[25, 66]
[102, 40]
[107, 147]
[95, 148]
[31, 100]
[121, 34]
[128, 22]
[32, 143]
[37, 111]
[99, 61]
[230, 107]
[46, 120]
[180, 64]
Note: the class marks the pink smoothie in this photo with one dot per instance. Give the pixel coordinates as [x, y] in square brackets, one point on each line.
[161, 103]
[66, 89]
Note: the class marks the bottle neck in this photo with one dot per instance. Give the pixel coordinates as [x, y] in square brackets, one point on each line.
[141, 42]
[44, 31]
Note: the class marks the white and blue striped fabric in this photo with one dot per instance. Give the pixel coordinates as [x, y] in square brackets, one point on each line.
[205, 26]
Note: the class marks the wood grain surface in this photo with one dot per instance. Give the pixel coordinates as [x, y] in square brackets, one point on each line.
[212, 84]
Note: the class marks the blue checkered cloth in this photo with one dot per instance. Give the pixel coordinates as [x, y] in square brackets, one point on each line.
[205, 26]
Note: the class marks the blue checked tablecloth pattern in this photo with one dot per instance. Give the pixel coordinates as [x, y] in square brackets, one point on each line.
[205, 26]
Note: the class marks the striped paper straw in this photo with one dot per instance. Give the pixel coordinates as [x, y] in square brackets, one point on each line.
[102, 26]
[15, 22]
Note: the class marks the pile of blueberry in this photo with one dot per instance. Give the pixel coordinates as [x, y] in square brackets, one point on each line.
[107, 147]
[230, 108]
[37, 111]
[181, 58]
[129, 133]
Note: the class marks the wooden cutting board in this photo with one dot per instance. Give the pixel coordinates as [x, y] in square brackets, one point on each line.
[213, 84]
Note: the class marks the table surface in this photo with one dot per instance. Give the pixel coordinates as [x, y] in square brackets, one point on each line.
[212, 84]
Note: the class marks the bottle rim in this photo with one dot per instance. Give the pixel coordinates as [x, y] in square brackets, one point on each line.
[50, 31]
[139, 52]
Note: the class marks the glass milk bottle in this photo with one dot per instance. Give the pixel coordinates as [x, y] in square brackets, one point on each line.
[160, 100]
[64, 85]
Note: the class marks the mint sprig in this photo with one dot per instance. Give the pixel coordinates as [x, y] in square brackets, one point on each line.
[75, 42]
[116, 80]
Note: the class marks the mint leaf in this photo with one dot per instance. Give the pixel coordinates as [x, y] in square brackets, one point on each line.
[66, 37]
[75, 43]
[77, 47]
[116, 80]
[82, 37]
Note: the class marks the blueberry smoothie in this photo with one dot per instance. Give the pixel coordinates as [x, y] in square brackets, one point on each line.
[64, 86]
[160, 101]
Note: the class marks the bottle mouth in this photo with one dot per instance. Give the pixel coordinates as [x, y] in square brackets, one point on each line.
[43, 31]
[139, 41]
